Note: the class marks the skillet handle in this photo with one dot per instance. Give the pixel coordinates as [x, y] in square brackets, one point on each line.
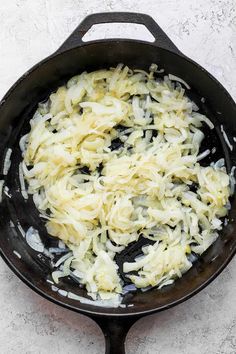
[115, 331]
[161, 39]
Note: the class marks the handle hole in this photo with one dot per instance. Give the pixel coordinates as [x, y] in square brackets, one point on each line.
[118, 30]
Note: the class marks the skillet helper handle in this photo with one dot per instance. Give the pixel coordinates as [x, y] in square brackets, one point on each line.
[161, 39]
[115, 331]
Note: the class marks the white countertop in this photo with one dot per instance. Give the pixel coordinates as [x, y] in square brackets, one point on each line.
[205, 30]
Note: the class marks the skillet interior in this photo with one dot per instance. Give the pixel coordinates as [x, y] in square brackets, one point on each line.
[17, 109]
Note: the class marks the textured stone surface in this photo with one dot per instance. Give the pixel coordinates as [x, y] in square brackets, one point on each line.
[205, 30]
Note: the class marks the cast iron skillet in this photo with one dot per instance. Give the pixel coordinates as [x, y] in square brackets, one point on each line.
[16, 109]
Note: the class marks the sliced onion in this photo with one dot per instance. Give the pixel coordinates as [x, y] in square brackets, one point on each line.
[7, 161]
[62, 259]
[176, 78]
[226, 139]
[33, 239]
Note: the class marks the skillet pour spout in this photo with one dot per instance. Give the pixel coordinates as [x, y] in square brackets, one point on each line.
[17, 215]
